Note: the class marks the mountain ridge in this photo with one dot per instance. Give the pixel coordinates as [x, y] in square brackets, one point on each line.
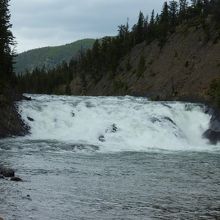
[50, 56]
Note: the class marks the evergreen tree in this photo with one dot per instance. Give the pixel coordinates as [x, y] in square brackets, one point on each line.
[173, 14]
[139, 32]
[104, 58]
[216, 11]
[183, 5]
[164, 24]
[151, 28]
[6, 41]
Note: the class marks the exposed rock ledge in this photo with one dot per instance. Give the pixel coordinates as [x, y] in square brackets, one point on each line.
[213, 133]
[11, 123]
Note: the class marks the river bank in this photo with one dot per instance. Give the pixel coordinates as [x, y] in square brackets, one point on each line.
[11, 123]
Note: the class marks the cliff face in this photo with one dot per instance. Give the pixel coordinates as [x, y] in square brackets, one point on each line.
[11, 123]
[184, 67]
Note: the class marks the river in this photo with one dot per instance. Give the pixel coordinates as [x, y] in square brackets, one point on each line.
[111, 158]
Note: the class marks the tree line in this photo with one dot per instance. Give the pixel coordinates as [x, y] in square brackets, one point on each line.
[7, 76]
[107, 52]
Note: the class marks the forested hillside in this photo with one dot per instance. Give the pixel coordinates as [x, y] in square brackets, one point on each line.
[50, 57]
[10, 121]
[172, 54]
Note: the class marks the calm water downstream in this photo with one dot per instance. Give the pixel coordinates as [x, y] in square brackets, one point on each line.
[111, 158]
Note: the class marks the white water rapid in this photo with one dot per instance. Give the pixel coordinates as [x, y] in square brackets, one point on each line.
[117, 123]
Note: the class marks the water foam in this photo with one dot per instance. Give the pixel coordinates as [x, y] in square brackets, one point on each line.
[117, 123]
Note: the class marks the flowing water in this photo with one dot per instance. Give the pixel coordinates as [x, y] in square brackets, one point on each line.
[111, 158]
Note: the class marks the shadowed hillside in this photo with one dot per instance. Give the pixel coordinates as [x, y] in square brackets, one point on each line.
[50, 57]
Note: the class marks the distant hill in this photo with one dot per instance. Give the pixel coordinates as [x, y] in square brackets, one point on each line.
[50, 56]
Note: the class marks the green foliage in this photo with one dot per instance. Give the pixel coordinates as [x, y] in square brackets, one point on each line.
[106, 54]
[50, 57]
[6, 43]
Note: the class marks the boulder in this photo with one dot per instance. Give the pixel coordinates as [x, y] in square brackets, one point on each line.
[7, 172]
[101, 138]
[213, 133]
[26, 98]
[114, 128]
[16, 179]
[212, 136]
[30, 119]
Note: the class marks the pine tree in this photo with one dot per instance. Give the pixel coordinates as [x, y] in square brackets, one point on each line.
[163, 25]
[216, 11]
[140, 28]
[173, 14]
[183, 5]
[151, 28]
[6, 42]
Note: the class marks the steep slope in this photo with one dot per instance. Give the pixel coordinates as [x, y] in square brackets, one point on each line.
[50, 56]
[184, 67]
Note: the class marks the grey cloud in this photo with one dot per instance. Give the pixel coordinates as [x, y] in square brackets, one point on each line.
[39, 23]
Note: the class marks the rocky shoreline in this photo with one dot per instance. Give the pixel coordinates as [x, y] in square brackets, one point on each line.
[11, 123]
[9, 174]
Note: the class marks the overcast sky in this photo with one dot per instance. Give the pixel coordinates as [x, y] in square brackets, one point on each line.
[38, 23]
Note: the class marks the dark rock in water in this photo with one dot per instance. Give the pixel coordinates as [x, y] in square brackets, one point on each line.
[7, 172]
[114, 128]
[213, 136]
[102, 138]
[27, 98]
[16, 179]
[189, 107]
[170, 120]
[213, 133]
[11, 123]
[154, 119]
[215, 122]
[73, 114]
[30, 119]
[2, 177]
[166, 105]
[1, 218]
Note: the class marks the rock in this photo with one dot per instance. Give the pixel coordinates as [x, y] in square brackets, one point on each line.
[154, 120]
[170, 120]
[11, 123]
[1, 218]
[26, 98]
[2, 177]
[102, 138]
[114, 128]
[30, 119]
[213, 133]
[16, 179]
[7, 172]
[212, 136]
